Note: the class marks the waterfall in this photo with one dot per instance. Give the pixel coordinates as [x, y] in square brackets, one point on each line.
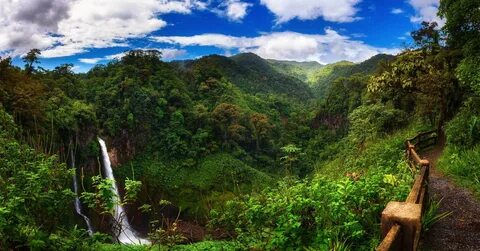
[77, 203]
[123, 230]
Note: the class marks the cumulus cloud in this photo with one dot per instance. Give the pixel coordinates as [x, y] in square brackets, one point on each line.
[397, 11]
[167, 53]
[234, 10]
[68, 27]
[325, 48]
[426, 10]
[330, 10]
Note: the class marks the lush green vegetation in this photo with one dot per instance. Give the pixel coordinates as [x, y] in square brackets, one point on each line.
[250, 154]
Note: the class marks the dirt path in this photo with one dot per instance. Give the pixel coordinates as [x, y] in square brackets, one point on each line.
[461, 230]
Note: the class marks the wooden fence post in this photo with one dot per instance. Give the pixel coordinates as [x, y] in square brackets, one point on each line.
[408, 216]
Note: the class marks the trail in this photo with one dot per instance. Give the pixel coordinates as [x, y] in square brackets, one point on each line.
[460, 230]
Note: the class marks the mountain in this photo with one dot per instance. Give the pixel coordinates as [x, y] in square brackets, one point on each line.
[252, 74]
[300, 80]
[324, 77]
[301, 70]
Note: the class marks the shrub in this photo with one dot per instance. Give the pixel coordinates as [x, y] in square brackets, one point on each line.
[315, 214]
[464, 129]
[370, 121]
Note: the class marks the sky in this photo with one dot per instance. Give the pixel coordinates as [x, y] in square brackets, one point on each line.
[89, 32]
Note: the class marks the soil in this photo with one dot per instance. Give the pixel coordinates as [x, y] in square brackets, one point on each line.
[460, 230]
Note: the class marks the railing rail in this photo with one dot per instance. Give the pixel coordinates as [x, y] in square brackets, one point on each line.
[401, 221]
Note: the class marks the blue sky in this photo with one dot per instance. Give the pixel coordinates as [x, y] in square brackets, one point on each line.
[89, 32]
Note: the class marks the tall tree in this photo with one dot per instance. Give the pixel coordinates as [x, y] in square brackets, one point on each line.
[226, 117]
[463, 29]
[261, 127]
[427, 72]
[31, 58]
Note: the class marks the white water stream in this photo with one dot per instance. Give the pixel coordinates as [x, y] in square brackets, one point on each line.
[77, 203]
[123, 230]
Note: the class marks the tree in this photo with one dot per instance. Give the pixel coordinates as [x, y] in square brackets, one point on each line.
[427, 37]
[427, 72]
[261, 128]
[226, 115]
[31, 58]
[413, 72]
[462, 24]
[463, 32]
[291, 157]
[34, 190]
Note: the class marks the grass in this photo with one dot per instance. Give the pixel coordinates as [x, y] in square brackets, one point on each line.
[431, 215]
[379, 153]
[463, 166]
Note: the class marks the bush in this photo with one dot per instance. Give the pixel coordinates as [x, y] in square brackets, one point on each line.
[464, 130]
[371, 121]
[315, 214]
[463, 165]
[34, 193]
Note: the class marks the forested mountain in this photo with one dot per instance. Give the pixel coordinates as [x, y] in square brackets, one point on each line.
[252, 74]
[231, 153]
[301, 70]
[321, 80]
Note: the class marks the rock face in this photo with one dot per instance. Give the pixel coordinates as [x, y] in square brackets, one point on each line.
[123, 147]
[113, 155]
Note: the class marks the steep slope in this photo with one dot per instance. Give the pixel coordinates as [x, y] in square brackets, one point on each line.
[323, 78]
[301, 70]
[251, 73]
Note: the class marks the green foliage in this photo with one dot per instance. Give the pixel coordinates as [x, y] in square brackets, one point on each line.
[35, 191]
[462, 22]
[301, 70]
[291, 156]
[199, 246]
[168, 237]
[463, 165]
[431, 215]
[463, 131]
[468, 73]
[104, 198]
[370, 121]
[251, 74]
[200, 133]
[312, 213]
[132, 188]
[321, 81]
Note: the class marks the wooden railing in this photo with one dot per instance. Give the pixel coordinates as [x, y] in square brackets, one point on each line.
[401, 223]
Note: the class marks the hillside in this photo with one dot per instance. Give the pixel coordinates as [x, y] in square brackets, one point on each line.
[251, 73]
[301, 70]
[321, 80]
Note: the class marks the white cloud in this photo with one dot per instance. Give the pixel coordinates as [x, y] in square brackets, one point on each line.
[233, 10]
[236, 10]
[171, 53]
[67, 27]
[330, 10]
[326, 48]
[397, 11]
[167, 53]
[426, 10]
[90, 60]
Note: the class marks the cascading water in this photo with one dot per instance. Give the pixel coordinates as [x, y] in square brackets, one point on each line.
[124, 231]
[77, 203]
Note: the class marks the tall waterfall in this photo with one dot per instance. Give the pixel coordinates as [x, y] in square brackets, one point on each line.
[77, 203]
[123, 230]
